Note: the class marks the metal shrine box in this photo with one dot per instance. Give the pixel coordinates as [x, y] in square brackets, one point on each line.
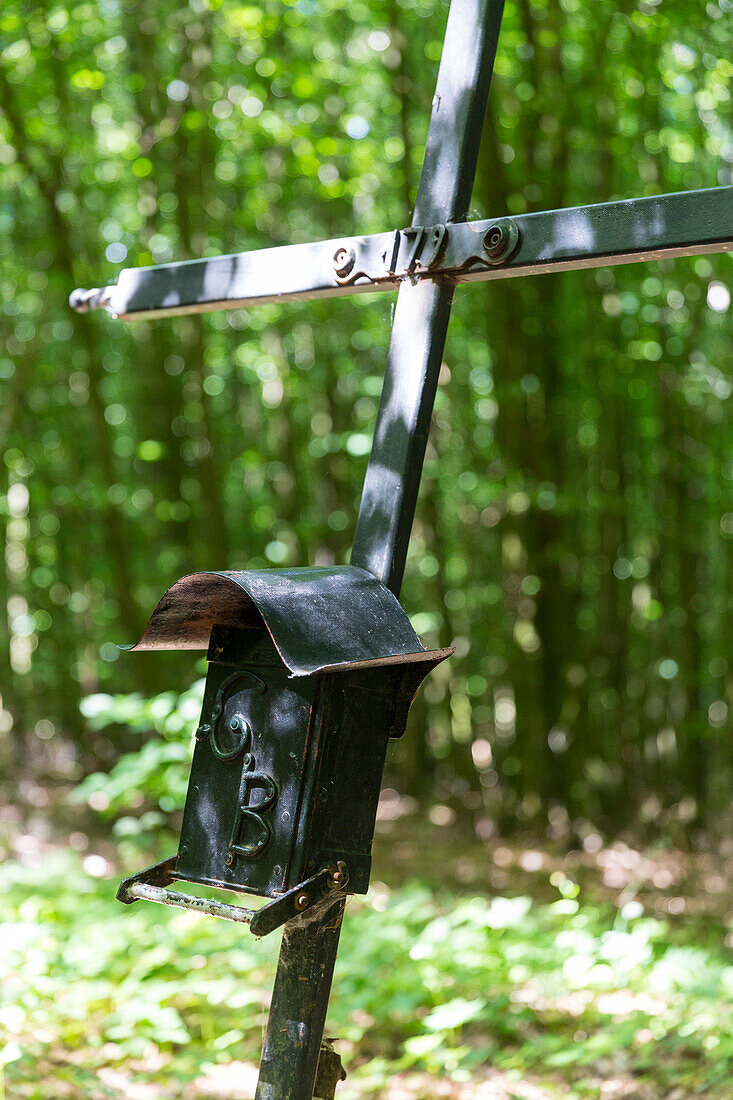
[310, 673]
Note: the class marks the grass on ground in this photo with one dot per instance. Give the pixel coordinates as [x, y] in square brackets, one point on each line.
[555, 986]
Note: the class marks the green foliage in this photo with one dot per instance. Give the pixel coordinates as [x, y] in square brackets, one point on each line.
[445, 985]
[157, 772]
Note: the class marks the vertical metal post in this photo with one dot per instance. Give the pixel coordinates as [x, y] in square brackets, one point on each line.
[308, 953]
[421, 317]
[299, 1002]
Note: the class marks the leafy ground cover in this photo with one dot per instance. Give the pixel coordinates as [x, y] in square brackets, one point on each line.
[567, 982]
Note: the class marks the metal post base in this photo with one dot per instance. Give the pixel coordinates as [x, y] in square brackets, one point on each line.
[292, 1046]
[330, 1072]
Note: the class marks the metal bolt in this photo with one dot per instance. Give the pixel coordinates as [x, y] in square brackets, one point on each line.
[343, 262]
[301, 902]
[229, 860]
[83, 300]
[501, 241]
[339, 876]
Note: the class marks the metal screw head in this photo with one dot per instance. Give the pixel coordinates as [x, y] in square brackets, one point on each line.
[501, 240]
[343, 262]
[301, 902]
[494, 238]
[339, 876]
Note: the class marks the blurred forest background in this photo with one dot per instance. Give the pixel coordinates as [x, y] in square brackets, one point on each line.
[573, 539]
[550, 915]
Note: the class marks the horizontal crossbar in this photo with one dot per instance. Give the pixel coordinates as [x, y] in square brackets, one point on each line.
[687, 223]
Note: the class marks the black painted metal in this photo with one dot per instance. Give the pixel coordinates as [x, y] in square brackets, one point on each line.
[300, 995]
[311, 671]
[330, 1072]
[298, 1010]
[152, 885]
[303, 896]
[686, 223]
[421, 317]
[297, 790]
[321, 619]
[401, 432]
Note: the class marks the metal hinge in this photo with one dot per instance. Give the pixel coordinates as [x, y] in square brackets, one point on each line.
[415, 251]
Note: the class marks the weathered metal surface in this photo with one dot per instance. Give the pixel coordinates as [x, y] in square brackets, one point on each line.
[308, 953]
[311, 671]
[320, 619]
[330, 1072]
[393, 474]
[423, 310]
[292, 1043]
[160, 874]
[302, 897]
[142, 892]
[152, 885]
[687, 223]
[286, 770]
[242, 814]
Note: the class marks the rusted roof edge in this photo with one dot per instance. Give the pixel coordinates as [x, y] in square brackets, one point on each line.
[321, 619]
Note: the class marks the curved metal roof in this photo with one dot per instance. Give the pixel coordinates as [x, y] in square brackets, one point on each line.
[320, 618]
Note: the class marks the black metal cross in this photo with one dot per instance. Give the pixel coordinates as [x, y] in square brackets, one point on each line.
[439, 251]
